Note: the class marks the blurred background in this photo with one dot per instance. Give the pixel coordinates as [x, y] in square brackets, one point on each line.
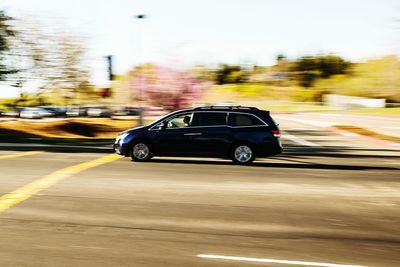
[75, 73]
[135, 61]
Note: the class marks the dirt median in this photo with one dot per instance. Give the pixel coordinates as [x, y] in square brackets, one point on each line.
[72, 128]
[369, 133]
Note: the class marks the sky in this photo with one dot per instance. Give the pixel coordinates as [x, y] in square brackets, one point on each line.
[190, 32]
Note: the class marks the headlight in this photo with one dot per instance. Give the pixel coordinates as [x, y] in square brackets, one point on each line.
[121, 137]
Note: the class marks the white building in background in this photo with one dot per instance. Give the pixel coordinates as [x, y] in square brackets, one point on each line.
[344, 101]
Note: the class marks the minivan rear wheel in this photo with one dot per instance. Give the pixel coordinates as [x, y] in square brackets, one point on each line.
[243, 153]
[141, 151]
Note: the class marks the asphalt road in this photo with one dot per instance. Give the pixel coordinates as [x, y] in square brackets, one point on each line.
[329, 199]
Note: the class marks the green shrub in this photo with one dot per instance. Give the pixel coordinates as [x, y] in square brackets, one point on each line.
[309, 95]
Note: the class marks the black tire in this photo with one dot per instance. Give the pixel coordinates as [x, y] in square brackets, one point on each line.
[243, 153]
[141, 151]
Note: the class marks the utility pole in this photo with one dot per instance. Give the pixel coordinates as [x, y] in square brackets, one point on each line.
[140, 89]
[110, 67]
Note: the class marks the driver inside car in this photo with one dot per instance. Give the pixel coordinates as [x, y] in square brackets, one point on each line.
[186, 121]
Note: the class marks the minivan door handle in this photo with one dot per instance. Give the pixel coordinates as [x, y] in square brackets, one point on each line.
[192, 134]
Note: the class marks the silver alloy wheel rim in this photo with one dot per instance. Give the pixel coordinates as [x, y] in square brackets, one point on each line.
[140, 151]
[243, 153]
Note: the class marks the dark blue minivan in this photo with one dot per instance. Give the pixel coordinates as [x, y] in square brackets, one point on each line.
[239, 133]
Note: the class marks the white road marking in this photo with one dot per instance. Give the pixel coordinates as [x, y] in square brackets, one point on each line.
[304, 263]
[298, 140]
[376, 117]
[316, 123]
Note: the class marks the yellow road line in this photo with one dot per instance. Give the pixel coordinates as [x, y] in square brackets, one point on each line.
[26, 191]
[16, 155]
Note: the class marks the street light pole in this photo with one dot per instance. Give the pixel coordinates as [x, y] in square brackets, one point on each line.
[140, 89]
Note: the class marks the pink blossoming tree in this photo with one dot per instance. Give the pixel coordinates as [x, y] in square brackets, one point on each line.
[166, 87]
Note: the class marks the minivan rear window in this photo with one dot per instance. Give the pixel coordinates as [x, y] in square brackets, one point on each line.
[209, 118]
[244, 120]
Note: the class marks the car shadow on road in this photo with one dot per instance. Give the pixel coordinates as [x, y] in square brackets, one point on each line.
[302, 157]
[340, 152]
[291, 165]
[294, 157]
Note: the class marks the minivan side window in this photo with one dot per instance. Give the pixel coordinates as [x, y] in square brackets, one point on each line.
[209, 118]
[244, 120]
[178, 121]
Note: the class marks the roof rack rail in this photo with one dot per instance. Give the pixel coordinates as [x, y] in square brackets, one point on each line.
[226, 107]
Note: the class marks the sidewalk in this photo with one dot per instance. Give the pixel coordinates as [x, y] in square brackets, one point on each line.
[381, 128]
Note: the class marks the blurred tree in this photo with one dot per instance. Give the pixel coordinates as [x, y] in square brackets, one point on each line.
[229, 74]
[26, 52]
[166, 87]
[309, 68]
[202, 73]
[280, 57]
[332, 65]
[378, 78]
[6, 33]
[70, 75]
[51, 58]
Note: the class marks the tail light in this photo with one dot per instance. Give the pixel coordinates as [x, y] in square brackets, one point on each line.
[276, 133]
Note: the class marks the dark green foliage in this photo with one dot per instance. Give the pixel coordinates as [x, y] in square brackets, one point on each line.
[309, 68]
[229, 74]
[332, 65]
[280, 57]
[5, 33]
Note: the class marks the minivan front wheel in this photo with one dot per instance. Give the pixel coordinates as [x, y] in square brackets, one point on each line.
[141, 151]
[243, 153]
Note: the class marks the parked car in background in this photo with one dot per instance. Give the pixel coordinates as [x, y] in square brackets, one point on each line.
[13, 113]
[35, 113]
[56, 111]
[239, 133]
[88, 111]
[98, 112]
[148, 111]
[76, 111]
[126, 111]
